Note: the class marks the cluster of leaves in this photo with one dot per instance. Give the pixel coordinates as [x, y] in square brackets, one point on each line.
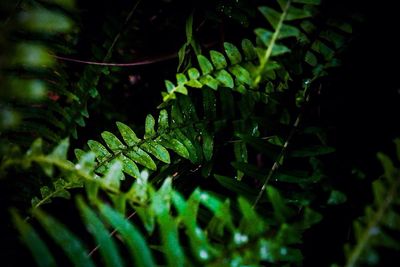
[379, 227]
[247, 115]
[207, 223]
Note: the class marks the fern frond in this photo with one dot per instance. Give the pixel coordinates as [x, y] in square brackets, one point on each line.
[250, 236]
[382, 219]
[215, 73]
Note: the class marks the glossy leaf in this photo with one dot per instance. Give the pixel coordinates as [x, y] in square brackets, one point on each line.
[127, 134]
[101, 152]
[149, 127]
[233, 53]
[205, 65]
[218, 60]
[112, 141]
[224, 78]
[156, 150]
[138, 155]
[163, 122]
[241, 74]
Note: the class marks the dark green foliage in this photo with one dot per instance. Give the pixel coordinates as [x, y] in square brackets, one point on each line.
[230, 174]
[377, 228]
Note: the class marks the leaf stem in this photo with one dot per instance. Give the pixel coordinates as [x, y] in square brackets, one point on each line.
[268, 53]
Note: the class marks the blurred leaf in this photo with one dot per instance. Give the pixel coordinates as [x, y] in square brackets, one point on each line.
[138, 246]
[108, 249]
[68, 241]
[30, 237]
[336, 198]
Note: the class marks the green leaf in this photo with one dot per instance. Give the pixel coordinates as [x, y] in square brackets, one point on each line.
[311, 59]
[323, 49]
[61, 150]
[250, 223]
[177, 116]
[388, 166]
[281, 211]
[271, 15]
[209, 81]
[129, 167]
[170, 241]
[218, 59]
[270, 150]
[163, 124]
[188, 212]
[236, 186]
[311, 151]
[194, 84]
[240, 150]
[101, 152]
[175, 145]
[68, 241]
[30, 237]
[181, 89]
[114, 174]
[288, 31]
[149, 127]
[43, 20]
[311, 217]
[221, 210]
[136, 243]
[278, 50]
[161, 200]
[108, 249]
[248, 49]
[112, 141]
[156, 150]
[205, 65]
[138, 155]
[224, 78]
[87, 162]
[208, 144]
[35, 148]
[127, 134]
[297, 13]
[233, 53]
[264, 35]
[79, 153]
[189, 28]
[181, 78]
[241, 74]
[170, 86]
[250, 170]
[193, 73]
[209, 104]
[336, 197]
